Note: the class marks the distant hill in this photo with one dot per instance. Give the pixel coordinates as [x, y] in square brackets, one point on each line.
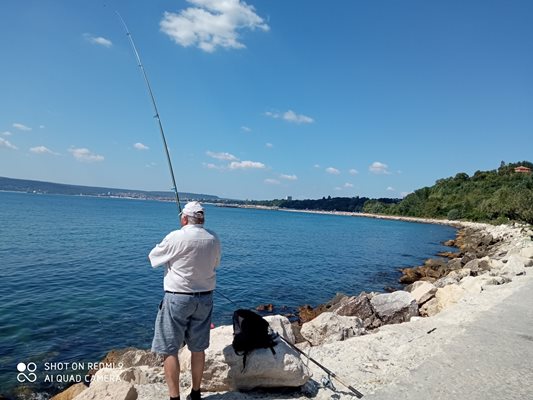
[23, 185]
[501, 195]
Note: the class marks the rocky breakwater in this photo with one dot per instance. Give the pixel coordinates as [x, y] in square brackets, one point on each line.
[352, 335]
[488, 256]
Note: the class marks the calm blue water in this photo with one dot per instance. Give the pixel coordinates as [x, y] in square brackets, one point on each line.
[76, 282]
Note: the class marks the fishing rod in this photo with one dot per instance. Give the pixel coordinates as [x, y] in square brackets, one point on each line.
[156, 116]
[330, 373]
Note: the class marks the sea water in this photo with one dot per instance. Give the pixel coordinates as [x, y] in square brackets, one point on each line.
[76, 282]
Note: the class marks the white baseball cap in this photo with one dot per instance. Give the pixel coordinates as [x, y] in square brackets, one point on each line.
[193, 209]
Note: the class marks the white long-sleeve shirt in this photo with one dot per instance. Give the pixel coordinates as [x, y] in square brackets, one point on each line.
[190, 256]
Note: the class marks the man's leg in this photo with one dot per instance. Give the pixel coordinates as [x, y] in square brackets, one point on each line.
[172, 374]
[197, 368]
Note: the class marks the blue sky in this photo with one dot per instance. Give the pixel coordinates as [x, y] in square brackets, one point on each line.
[264, 99]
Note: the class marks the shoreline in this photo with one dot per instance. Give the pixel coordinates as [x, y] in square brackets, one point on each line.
[323, 354]
[454, 223]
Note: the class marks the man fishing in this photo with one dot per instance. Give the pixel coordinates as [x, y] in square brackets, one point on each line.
[190, 256]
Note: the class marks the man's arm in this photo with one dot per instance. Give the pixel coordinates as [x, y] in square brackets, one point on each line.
[163, 252]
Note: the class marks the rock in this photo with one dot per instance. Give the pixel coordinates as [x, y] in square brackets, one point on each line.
[265, 307]
[71, 392]
[459, 274]
[515, 266]
[329, 327]
[358, 306]
[527, 252]
[393, 308]
[307, 313]
[496, 281]
[467, 258]
[282, 326]
[455, 264]
[445, 281]
[223, 368]
[106, 384]
[266, 370]
[423, 291]
[444, 298]
[472, 284]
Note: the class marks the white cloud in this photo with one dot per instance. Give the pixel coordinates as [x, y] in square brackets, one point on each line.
[21, 127]
[316, 165]
[379, 168]
[246, 129]
[246, 165]
[269, 145]
[85, 155]
[289, 177]
[338, 188]
[211, 23]
[140, 146]
[5, 143]
[333, 171]
[390, 189]
[348, 185]
[151, 165]
[6, 133]
[41, 127]
[43, 150]
[98, 40]
[353, 171]
[403, 194]
[271, 181]
[291, 116]
[221, 156]
[212, 166]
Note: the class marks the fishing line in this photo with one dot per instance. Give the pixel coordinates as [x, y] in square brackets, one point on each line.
[156, 116]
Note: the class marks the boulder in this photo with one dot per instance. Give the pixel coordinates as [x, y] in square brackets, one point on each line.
[107, 384]
[445, 281]
[515, 266]
[455, 264]
[496, 281]
[472, 284]
[329, 327]
[224, 369]
[459, 274]
[423, 291]
[358, 306]
[444, 298]
[393, 308]
[282, 326]
[527, 252]
[478, 266]
[71, 392]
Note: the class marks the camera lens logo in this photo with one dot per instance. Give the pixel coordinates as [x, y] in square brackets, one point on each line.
[26, 372]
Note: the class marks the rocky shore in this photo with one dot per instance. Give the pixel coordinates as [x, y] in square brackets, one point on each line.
[370, 340]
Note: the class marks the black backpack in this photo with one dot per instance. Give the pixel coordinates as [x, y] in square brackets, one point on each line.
[250, 332]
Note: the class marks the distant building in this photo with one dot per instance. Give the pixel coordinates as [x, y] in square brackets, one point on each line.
[522, 169]
[289, 198]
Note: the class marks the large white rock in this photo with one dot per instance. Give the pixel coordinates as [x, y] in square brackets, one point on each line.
[527, 252]
[445, 297]
[473, 284]
[282, 326]
[422, 291]
[224, 369]
[395, 307]
[107, 384]
[516, 265]
[330, 327]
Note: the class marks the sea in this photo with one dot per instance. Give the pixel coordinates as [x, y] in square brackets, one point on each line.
[75, 281]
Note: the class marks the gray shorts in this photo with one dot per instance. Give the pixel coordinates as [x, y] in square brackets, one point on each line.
[183, 317]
